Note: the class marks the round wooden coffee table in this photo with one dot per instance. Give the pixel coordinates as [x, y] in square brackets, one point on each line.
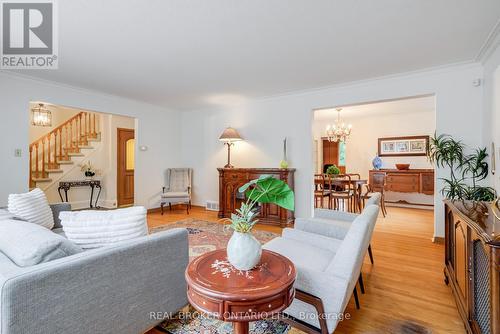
[218, 289]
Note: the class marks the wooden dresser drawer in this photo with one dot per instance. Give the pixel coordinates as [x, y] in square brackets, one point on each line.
[405, 183]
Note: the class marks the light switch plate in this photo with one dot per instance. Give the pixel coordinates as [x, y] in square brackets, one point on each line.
[18, 152]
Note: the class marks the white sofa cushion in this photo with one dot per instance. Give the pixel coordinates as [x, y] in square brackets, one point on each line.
[313, 239]
[27, 244]
[175, 194]
[32, 207]
[301, 254]
[95, 228]
[327, 227]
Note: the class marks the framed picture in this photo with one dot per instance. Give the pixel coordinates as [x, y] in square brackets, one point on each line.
[403, 146]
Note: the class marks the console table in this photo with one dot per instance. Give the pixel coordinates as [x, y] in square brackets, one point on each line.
[230, 199]
[472, 264]
[67, 185]
[218, 289]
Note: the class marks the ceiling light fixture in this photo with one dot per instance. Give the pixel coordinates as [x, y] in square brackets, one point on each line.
[41, 116]
[339, 130]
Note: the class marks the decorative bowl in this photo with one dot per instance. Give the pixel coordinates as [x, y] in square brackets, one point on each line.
[403, 166]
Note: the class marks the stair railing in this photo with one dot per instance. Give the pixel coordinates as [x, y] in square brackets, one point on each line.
[48, 151]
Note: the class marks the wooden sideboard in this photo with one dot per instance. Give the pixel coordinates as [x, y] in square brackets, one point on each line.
[230, 199]
[472, 265]
[404, 181]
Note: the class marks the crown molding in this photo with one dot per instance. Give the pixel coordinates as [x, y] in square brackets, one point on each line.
[57, 84]
[490, 45]
[435, 70]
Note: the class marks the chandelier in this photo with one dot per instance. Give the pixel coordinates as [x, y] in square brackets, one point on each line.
[338, 131]
[41, 116]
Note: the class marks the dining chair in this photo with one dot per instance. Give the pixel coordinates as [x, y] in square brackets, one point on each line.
[378, 186]
[341, 192]
[357, 190]
[321, 191]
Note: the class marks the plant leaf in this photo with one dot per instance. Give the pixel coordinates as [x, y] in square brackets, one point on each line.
[271, 190]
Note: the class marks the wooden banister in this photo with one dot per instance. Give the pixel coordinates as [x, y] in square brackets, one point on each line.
[45, 152]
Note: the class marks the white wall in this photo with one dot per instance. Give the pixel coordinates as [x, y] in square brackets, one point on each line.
[157, 128]
[491, 122]
[265, 122]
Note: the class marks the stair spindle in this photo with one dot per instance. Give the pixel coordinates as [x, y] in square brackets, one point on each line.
[93, 132]
[86, 115]
[67, 143]
[31, 166]
[55, 147]
[97, 122]
[70, 136]
[60, 144]
[36, 161]
[48, 149]
[43, 157]
[81, 128]
[75, 132]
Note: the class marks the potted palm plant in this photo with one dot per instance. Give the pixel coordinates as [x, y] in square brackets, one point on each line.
[467, 171]
[243, 250]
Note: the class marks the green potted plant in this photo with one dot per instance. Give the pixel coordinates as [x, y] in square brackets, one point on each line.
[333, 170]
[243, 250]
[466, 172]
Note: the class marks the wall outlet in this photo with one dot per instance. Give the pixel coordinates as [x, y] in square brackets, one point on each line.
[18, 152]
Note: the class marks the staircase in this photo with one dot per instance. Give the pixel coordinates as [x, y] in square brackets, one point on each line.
[58, 147]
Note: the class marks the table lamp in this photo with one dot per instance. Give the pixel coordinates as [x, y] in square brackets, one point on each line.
[228, 137]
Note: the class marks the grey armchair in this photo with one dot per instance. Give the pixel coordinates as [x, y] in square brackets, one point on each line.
[328, 269]
[177, 189]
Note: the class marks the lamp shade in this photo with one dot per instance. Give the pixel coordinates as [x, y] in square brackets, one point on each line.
[229, 135]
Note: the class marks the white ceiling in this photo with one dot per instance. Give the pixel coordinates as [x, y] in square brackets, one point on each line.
[194, 54]
[411, 105]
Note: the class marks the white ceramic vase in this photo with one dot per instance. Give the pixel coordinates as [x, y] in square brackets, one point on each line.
[243, 251]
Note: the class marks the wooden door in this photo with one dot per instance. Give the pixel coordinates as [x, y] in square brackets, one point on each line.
[125, 166]
[331, 155]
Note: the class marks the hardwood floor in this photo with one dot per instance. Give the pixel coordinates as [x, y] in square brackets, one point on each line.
[405, 292]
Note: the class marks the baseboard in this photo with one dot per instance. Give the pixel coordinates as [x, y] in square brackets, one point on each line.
[158, 209]
[409, 205]
[438, 240]
[153, 210]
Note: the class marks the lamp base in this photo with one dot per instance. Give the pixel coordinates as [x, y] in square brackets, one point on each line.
[228, 166]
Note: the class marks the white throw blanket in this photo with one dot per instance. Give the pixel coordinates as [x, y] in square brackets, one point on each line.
[92, 229]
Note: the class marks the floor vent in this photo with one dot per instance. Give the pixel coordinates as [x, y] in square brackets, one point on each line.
[212, 206]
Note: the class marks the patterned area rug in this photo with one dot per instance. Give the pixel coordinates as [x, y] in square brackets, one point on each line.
[204, 237]
[207, 236]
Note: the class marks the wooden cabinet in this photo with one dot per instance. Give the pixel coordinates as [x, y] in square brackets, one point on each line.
[404, 181]
[331, 155]
[230, 199]
[472, 265]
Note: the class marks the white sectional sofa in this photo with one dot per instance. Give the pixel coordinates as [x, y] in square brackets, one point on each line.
[112, 289]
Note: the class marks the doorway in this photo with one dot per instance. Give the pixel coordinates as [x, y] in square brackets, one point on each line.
[125, 166]
[333, 154]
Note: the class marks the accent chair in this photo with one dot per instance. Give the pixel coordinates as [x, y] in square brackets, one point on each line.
[177, 189]
[324, 286]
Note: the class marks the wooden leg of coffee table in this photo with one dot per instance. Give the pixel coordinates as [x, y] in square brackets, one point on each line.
[240, 327]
